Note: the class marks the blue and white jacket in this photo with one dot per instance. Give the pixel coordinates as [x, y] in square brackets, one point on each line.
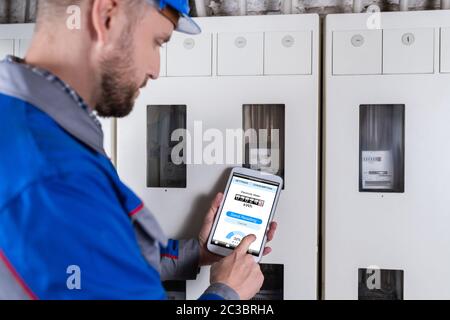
[62, 204]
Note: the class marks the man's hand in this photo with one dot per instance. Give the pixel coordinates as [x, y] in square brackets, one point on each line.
[239, 271]
[208, 258]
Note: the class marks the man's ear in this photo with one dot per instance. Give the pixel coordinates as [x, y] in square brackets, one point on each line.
[104, 13]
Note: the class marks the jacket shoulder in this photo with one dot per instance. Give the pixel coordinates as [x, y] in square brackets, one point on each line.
[35, 148]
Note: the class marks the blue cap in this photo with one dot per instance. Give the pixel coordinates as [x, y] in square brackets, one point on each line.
[185, 23]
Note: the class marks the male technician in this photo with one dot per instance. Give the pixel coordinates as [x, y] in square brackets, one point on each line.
[69, 228]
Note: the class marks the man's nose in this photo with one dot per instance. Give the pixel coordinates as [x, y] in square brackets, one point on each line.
[155, 66]
[154, 75]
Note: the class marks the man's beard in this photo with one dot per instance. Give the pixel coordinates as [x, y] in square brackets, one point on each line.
[118, 92]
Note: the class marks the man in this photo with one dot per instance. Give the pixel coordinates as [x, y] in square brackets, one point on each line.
[69, 228]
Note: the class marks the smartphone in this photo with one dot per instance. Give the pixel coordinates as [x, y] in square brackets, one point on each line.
[248, 207]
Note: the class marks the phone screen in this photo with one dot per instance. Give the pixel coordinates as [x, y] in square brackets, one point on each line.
[246, 210]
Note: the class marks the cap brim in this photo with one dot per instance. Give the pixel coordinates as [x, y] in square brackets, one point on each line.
[187, 25]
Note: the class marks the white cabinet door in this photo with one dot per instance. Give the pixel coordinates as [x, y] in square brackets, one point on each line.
[445, 50]
[287, 53]
[357, 52]
[189, 55]
[240, 54]
[21, 47]
[408, 51]
[6, 48]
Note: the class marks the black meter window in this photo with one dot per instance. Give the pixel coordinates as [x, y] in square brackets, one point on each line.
[166, 146]
[382, 148]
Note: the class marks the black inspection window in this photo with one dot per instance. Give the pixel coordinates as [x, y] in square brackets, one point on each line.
[382, 148]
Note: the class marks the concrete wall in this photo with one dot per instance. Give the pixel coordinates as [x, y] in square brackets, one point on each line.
[18, 11]
[231, 7]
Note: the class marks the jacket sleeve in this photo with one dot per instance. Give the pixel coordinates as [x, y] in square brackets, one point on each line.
[180, 260]
[66, 237]
[219, 291]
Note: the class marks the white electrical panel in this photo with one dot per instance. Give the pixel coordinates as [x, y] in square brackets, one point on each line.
[385, 168]
[14, 39]
[22, 46]
[408, 50]
[189, 55]
[215, 111]
[287, 53]
[6, 48]
[107, 128]
[357, 52]
[445, 50]
[240, 54]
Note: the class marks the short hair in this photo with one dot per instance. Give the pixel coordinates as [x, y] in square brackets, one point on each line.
[49, 9]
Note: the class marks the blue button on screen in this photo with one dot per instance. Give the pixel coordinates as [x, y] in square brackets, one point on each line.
[243, 217]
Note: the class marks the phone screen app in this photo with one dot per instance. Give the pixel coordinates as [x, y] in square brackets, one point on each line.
[246, 210]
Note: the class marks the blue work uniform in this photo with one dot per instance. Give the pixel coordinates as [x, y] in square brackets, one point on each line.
[69, 227]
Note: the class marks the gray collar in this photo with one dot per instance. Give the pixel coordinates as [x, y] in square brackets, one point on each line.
[18, 81]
